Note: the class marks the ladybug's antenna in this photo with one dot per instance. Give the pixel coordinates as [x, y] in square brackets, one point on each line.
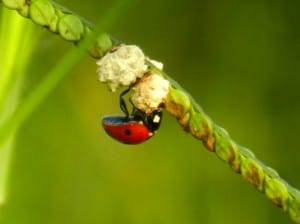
[123, 104]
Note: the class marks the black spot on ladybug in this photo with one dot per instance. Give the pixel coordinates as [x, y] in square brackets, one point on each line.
[127, 132]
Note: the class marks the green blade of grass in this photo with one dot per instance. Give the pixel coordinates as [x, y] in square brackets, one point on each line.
[17, 41]
[47, 85]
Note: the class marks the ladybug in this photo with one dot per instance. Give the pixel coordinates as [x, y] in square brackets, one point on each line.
[132, 128]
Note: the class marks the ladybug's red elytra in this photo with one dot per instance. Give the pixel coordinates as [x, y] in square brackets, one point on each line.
[134, 128]
[126, 130]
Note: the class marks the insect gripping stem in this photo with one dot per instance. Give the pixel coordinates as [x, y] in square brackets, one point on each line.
[59, 20]
[242, 160]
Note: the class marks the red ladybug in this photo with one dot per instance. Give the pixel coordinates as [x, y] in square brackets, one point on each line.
[134, 128]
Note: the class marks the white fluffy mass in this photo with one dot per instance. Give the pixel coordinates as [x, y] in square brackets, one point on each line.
[150, 92]
[121, 67]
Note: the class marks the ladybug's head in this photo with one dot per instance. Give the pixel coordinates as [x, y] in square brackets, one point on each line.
[151, 121]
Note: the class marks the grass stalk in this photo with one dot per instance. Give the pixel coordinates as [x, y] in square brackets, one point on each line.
[15, 50]
[22, 110]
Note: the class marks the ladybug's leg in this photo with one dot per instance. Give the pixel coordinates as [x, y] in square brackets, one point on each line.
[139, 115]
[123, 104]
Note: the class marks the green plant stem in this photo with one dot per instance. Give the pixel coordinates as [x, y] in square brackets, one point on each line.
[12, 122]
[189, 114]
[16, 47]
[216, 139]
[5, 167]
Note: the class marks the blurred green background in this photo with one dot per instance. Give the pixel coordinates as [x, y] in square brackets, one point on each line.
[238, 59]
